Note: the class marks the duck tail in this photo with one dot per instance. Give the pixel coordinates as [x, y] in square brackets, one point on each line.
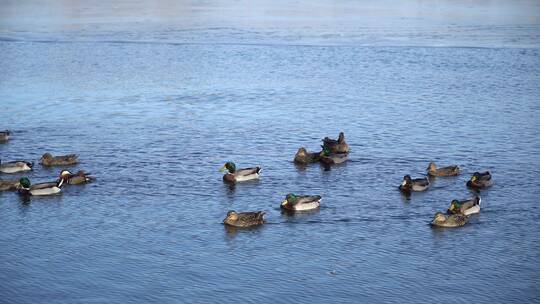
[30, 164]
[259, 169]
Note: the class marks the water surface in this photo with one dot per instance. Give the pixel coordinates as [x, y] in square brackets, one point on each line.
[155, 108]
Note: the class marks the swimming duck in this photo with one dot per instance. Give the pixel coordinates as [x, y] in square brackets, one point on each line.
[304, 157]
[244, 219]
[78, 178]
[417, 184]
[336, 146]
[301, 202]
[6, 185]
[452, 220]
[4, 135]
[329, 158]
[444, 171]
[480, 180]
[233, 175]
[466, 207]
[15, 166]
[48, 160]
[25, 187]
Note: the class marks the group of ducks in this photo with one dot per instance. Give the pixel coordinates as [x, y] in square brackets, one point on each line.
[24, 186]
[336, 151]
[459, 211]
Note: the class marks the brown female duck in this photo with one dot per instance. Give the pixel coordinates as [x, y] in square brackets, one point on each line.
[444, 171]
[304, 157]
[7, 185]
[64, 160]
[453, 220]
[4, 135]
[244, 219]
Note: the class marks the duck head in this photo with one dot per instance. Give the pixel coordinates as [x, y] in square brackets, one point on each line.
[229, 166]
[475, 176]
[24, 183]
[231, 216]
[66, 174]
[439, 218]
[431, 167]
[406, 182]
[454, 205]
[302, 152]
[289, 199]
[47, 156]
[341, 138]
[325, 151]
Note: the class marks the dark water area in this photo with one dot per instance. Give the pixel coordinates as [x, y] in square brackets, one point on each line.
[154, 120]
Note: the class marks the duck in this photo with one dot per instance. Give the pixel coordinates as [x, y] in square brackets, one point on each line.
[240, 175]
[480, 180]
[4, 135]
[7, 185]
[244, 219]
[417, 184]
[78, 178]
[63, 160]
[15, 166]
[432, 170]
[332, 158]
[304, 157]
[41, 189]
[294, 202]
[465, 207]
[452, 220]
[336, 145]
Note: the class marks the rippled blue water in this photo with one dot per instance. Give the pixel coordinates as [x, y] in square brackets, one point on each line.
[154, 121]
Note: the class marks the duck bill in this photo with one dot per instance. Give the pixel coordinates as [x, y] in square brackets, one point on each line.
[284, 203]
[222, 169]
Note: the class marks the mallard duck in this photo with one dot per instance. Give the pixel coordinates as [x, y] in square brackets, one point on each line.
[4, 135]
[336, 146]
[78, 178]
[444, 171]
[452, 220]
[6, 185]
[466, 207]
[48, 160]
[233, 175]
[301, 202]
[329, 158]
[304, 157]
[480, 180]
[26, 188]
[244, 219]
[15, 166]
[417, 184]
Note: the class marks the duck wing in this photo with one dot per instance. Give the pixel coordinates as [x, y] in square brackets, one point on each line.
[43, 186]
[247, 171]
[66, 158]
[421, 181]
[306, 199]
[251, 217]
